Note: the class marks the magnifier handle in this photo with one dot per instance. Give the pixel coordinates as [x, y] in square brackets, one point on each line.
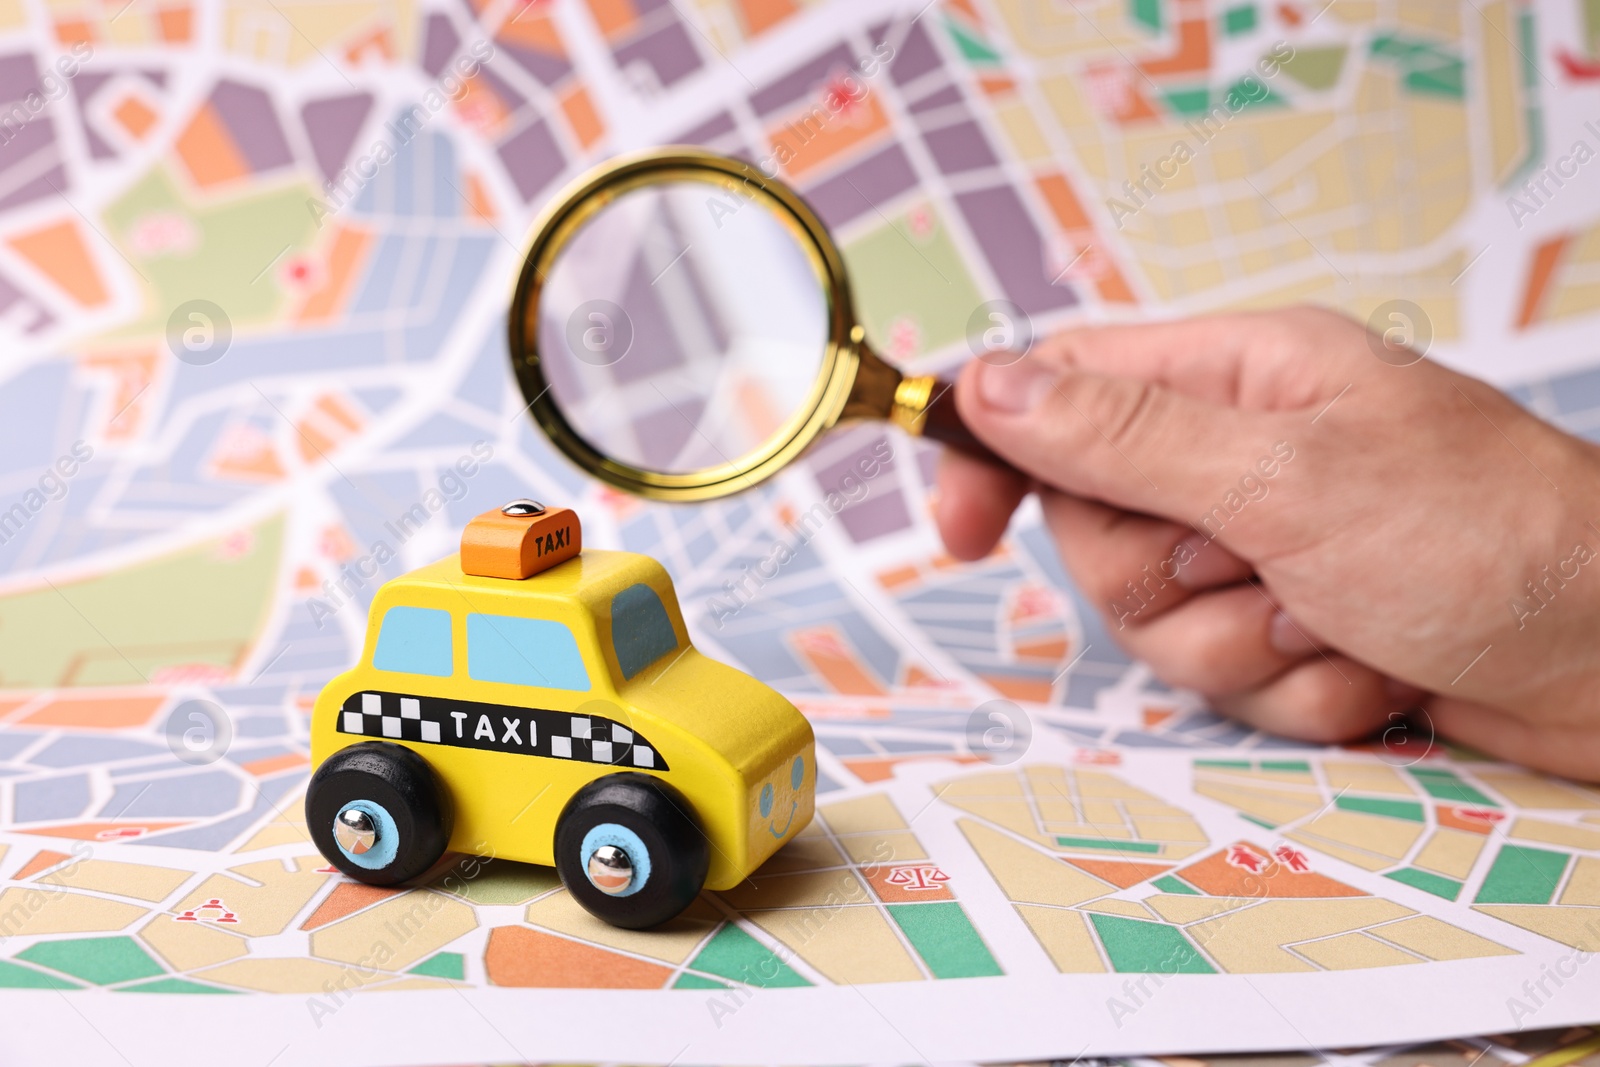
[942, 422]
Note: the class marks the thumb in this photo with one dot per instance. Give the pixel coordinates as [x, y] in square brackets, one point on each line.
[1131, 443]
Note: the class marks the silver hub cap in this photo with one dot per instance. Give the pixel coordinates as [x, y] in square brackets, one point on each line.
[355, 831]
[610, 869]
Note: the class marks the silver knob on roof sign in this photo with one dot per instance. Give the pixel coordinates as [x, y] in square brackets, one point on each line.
[355, 831]
[610, 870]
[523, 507]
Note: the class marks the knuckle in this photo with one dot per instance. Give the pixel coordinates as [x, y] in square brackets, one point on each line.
[1204, 658]
[1125, 412]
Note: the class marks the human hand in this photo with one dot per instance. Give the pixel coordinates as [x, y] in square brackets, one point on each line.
[1310, 536]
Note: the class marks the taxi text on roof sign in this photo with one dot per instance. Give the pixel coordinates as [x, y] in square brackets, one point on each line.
[519, 540]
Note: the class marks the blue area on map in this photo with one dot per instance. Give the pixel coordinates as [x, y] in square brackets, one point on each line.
[1083, 687]
[249, 754]
[1098, 649]
[204, 793]
[845, 746]
[269, 695]
[24, 397]
[489, 381]
[1578, 394]
[257, 726]
[396, 191]
[493, 485]
[218, 834]
[895, 744]
[441, 428]
[315, 655]
[82, 751]
[1140, 739]
[12, 742]
[52, 798]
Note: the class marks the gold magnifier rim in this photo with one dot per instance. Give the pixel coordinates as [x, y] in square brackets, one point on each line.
[587, 196]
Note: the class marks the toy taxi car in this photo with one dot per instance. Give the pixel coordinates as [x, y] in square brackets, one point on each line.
[543, 703]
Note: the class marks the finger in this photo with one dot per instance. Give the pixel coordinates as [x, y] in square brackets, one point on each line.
[1138, 446]
[1261, 360]
[1223, 641]
[1570, 751]
[1322, 700]
[974, 503]
[1126, 562]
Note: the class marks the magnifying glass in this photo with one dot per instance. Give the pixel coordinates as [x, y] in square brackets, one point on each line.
[682, 329]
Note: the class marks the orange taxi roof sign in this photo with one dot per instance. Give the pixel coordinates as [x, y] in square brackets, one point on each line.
[519, 540]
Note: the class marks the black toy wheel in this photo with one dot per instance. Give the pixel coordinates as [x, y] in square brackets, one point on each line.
[376, 813]
[630, 850]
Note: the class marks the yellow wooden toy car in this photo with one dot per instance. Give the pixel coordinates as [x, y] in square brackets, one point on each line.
[543, 703]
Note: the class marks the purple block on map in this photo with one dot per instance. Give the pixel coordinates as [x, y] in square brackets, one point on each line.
[876, 506]
[27, 310]
[914, 56]
[655, 347]
[332, 125]
[548, 67]
[666, 430]
[26, 149]
[714, 128]
[945, 97]
[439, 43]
[532, 158]
[19, 76]
[1012, 245]
[84, 88]
[874, 181]
[959, 147]
[247, 113]
[668, 52]
[804, 80]
[513, 100]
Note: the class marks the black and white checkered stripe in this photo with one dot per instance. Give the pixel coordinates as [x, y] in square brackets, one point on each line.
[499, 728]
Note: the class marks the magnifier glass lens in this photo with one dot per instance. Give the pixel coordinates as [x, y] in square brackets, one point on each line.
[682, 328]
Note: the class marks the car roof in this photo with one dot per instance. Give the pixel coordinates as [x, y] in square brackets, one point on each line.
[594, 576]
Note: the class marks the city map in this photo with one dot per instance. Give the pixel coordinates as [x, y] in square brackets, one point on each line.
[255, 260]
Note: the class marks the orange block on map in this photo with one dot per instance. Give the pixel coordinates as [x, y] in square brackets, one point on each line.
[532, 30]
[615, 17]
[806, 142]
[581, 116]
[761, 15]
[135, 116]
[347, 898]
[1120, 873]
[330, 422]
[208, 150]
[518, 956]
[96, 712]
[1546, 258]
[346, 255]
[59, 254]
[829, 656]
[176, 23]
[1243, 870]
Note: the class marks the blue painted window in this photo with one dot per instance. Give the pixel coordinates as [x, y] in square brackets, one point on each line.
[414, 641]
[641, 633]
[505, 648]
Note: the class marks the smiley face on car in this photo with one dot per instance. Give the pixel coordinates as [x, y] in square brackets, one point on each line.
[784, 798]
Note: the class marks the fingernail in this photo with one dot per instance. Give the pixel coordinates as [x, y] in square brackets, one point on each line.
[1288, 638]
[1016, 388]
